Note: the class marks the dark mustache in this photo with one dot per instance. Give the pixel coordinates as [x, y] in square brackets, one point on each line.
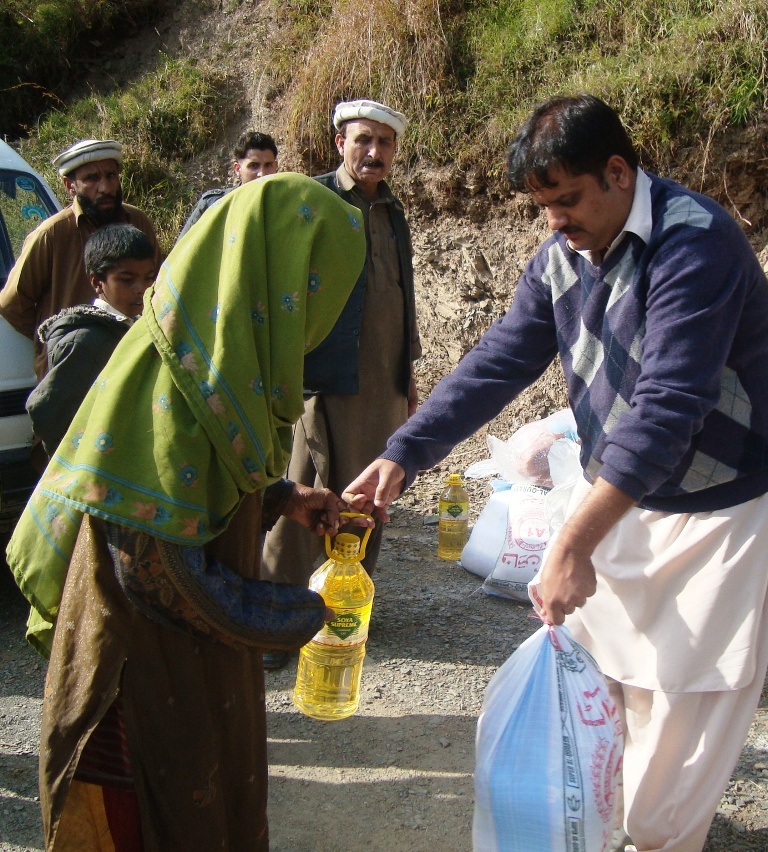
[375, 163]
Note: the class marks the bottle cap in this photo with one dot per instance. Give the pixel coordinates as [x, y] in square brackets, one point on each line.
[346, 547]
[454, 479]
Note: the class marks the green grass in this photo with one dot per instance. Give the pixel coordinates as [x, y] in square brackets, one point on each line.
[679, 71]
[163, 119]
[44, 45]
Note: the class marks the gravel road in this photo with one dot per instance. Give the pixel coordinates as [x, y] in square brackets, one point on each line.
[398, 774]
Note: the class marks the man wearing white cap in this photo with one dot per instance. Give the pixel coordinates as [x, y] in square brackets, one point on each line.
[50, 272]
[359, 382]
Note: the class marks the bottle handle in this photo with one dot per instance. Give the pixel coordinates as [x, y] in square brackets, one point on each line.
[364, 540]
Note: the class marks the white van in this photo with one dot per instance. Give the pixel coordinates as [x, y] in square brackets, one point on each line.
[25, 200]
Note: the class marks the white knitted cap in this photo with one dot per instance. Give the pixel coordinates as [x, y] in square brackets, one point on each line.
[87, 151]
[350, 110]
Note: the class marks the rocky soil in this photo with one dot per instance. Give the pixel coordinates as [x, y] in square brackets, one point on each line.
[398, 774]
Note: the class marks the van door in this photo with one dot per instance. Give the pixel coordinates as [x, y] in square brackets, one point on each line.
[25, 200]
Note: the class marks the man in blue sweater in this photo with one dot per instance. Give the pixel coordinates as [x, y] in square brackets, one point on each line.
[658, 309]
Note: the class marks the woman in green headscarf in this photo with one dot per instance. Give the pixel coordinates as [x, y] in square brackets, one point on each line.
[142, 540]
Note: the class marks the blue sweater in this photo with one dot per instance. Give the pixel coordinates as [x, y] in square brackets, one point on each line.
[665, 352]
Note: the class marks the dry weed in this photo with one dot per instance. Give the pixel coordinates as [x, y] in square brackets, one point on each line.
[392, 51]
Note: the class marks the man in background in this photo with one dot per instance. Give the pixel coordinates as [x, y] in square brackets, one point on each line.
[255, 156]
[359, 382]
[50, 272]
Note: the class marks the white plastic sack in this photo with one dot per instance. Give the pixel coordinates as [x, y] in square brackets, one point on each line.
[508, 531]
[565, 469]
[548, 752]
[523, 457]
[510, 537]
[509, 548]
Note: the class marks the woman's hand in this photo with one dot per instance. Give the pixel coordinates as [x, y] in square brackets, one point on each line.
[319, 510]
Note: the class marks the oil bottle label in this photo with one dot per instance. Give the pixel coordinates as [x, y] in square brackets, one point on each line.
[346, 629]
[454, 511]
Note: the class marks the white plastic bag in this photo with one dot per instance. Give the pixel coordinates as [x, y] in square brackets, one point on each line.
[523, 457]
[565, 470]
[508, 528]
[509, 539]
[548, 752]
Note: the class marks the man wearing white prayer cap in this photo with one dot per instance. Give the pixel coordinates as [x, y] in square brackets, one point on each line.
[87, 151]
[359, 382]
[49, 273]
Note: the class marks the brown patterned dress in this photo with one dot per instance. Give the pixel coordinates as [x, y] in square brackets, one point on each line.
[193, 706]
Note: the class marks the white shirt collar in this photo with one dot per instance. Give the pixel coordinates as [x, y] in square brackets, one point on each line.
[105, 306]
[639, 221]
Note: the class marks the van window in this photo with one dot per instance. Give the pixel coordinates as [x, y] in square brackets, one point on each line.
[24, 203]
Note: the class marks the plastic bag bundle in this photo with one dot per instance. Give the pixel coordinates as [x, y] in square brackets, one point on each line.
[540, 465]
[524, 457]
[548, 752]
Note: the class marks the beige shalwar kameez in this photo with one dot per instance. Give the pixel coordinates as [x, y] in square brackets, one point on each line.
[339, 435]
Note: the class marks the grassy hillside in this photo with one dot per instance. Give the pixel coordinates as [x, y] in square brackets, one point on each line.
[44, 47]
[682, 73]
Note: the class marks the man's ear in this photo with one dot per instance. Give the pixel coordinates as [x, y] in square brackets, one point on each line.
[619, 171]
[97, 283]
[339, 140]
[236, 168]
[69, 185]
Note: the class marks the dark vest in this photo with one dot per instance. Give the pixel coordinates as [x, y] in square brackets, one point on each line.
[333, 367]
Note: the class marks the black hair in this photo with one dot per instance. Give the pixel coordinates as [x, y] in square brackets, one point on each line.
[110, 244]
[252, 139]
[577, 134]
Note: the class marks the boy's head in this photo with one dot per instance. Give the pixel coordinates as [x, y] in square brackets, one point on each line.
[120, 262]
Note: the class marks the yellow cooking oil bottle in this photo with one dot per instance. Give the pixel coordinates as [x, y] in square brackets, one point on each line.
[453, 519]
[331, 664]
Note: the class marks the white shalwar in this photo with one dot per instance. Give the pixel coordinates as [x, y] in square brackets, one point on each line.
[678, 625]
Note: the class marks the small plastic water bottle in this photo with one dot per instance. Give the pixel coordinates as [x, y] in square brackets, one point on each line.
[331, 664]
[453, 519]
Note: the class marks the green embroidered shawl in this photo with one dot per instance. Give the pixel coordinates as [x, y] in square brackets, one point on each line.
[196, 405]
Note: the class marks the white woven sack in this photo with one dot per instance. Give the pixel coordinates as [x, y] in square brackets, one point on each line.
[548, 752]
[487, 536]
[521, 554]
[511, 526]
